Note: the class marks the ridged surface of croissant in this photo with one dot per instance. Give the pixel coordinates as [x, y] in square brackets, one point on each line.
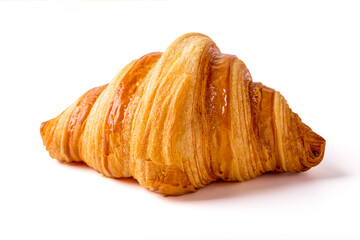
[179, 120]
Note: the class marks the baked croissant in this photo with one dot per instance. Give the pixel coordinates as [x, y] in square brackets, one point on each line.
[179, 120]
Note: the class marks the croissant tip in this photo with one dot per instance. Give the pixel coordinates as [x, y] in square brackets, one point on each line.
[317, 151]
[315, 148]
[42, 126]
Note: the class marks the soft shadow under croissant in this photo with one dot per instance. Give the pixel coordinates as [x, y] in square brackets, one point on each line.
[179, 120]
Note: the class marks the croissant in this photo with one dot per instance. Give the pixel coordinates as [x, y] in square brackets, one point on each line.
[179, 120]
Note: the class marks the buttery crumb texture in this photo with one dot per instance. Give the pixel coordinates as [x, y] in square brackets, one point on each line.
[179, 120]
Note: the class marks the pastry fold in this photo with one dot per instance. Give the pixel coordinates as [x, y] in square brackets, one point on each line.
[179, 120]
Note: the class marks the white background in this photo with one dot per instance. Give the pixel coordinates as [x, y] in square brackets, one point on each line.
[52, 52]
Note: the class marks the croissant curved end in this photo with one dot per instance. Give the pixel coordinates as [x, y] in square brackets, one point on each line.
[42, 126]
[315, 147]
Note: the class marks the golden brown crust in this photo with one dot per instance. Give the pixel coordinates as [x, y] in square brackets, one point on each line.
[77, 119]
[117, 126]
[179, 120]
